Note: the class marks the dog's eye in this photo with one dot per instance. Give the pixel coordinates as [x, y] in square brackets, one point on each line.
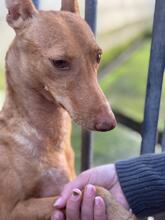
[61, 64]
[98, 58]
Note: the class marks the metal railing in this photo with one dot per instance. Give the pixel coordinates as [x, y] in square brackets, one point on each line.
[155, 81]
[86, 146]
[37, 3]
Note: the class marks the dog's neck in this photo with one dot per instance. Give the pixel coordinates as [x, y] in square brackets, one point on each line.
[30, 106]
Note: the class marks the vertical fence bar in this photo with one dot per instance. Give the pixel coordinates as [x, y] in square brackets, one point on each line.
[163, 141]
[155, 80]
[86, 145]
[86, 149]
[91, 13]
[37, 3]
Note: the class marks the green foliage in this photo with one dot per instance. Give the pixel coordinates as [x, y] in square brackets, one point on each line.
[121, 143]
[114, 52]
[126, 86]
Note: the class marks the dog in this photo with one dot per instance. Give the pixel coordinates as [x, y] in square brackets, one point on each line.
[51, 77]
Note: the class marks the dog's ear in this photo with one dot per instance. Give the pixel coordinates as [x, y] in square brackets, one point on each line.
[70, 5]
[20, 12]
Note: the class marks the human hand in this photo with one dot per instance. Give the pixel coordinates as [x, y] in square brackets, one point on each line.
[92, 207]
[104, 176]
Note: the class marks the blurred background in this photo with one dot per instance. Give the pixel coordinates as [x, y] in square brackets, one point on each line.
[124, 32]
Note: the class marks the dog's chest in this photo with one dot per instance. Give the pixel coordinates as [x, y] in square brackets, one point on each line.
[51, 182]
[44, 167]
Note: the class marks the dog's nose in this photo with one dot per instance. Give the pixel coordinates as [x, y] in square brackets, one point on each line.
[105, 122]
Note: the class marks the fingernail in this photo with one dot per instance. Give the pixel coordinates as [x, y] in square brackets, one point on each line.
[76, 193]
[98, 201]
[90, 189]
[58, 203]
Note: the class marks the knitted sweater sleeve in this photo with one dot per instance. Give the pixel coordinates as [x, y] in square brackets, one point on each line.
[143, 182]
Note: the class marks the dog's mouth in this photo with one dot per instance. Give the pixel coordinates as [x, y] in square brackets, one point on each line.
[64, 108]
[61, 105]
[77, 119]
[101, 124]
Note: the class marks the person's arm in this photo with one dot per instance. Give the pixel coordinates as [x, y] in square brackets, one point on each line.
[89, 206]
[142, 180]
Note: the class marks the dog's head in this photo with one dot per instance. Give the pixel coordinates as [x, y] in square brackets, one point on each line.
[59, 57]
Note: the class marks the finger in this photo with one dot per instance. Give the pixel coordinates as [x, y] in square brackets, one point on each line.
[99, 209]
[57, 215]
[87, 209]
[73, 205]
[78, 183]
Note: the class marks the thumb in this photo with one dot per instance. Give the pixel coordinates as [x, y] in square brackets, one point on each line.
[79, 183]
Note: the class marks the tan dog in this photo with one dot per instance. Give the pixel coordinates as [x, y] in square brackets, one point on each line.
[51, 70]
[114, 210]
